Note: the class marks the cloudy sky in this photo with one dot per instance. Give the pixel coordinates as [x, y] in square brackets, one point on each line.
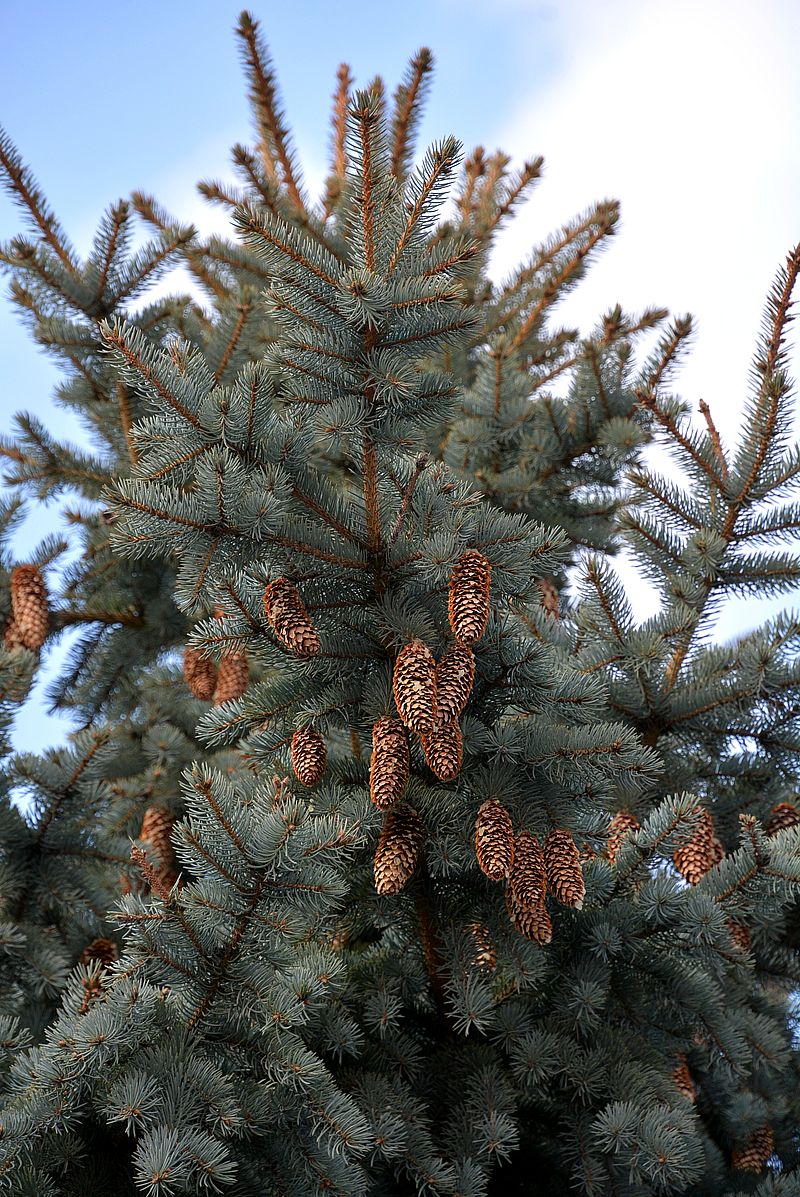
[688, 112]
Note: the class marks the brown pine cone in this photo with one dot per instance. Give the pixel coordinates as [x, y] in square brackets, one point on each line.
[390, 764]
[700, 852]
[309, 755]
[753, 1156]
[289, 619]
[468, 597]
[104, 950]
[618, 828]
[200, 673]
[683, 1079]
[782, 816]
[563, 866]
[232, 679]
[156, 835]
[398, 851]
[455, 674]
[740, 934]
[12, 637]
[527, 877]
[485, 952]
[29, 607]
[414, 685]
[534, 924]
[494, 840]
[444, 750]
[550, 600]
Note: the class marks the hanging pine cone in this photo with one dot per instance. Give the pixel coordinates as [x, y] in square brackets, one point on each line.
[12, 637]
[494, 840]
[30, 611]
[309, 755]
[398, 851]
[782, 816]
[390, 764]
[700, 852]
[455, 674]
[753, 1156]
[104, 950]
[232, 679]
[289, 619]
[200, 673]
[563, 867]
[618, 828]
[444, 750]
[485, 956]
[414, 686]
[156, 834]
[683, 1079]
[527, 877]
[534, 924]
[549, 595]
[468, 597]
[740, 934]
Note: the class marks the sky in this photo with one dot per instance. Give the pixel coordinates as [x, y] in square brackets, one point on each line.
[688, 112]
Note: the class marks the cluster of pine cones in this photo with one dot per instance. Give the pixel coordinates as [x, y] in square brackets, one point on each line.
[429, 698]
[210, 683]
[30, 611]
[529, 869]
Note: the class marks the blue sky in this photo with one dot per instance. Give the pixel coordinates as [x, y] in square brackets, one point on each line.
[688, 112]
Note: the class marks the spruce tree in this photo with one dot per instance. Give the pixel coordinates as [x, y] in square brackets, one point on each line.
[379, 864]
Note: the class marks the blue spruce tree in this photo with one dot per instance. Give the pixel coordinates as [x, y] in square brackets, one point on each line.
[379, 865]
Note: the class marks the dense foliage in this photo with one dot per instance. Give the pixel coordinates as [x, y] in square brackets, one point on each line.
[328, 510]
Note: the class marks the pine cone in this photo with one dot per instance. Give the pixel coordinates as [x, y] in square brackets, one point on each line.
[200, 673]
[232, 679]
[390, 764]
[468, 597]
[444, 750]
[455, 674]
[527, 877]
[12, 637]
[415, 687]
[753, 1156]
[31, 614]
[104, 950]
[398, 851]
[740, 934]
[618, 828]
[289, 619]
[485, 952]
[564, 872]
[156, 834]
[550, 600]
[683, 1079]
[701, 851]
[782, 816]
[533, 924]
[309, 755]
[494, 840]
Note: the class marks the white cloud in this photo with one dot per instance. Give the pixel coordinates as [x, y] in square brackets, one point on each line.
[686, 112]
